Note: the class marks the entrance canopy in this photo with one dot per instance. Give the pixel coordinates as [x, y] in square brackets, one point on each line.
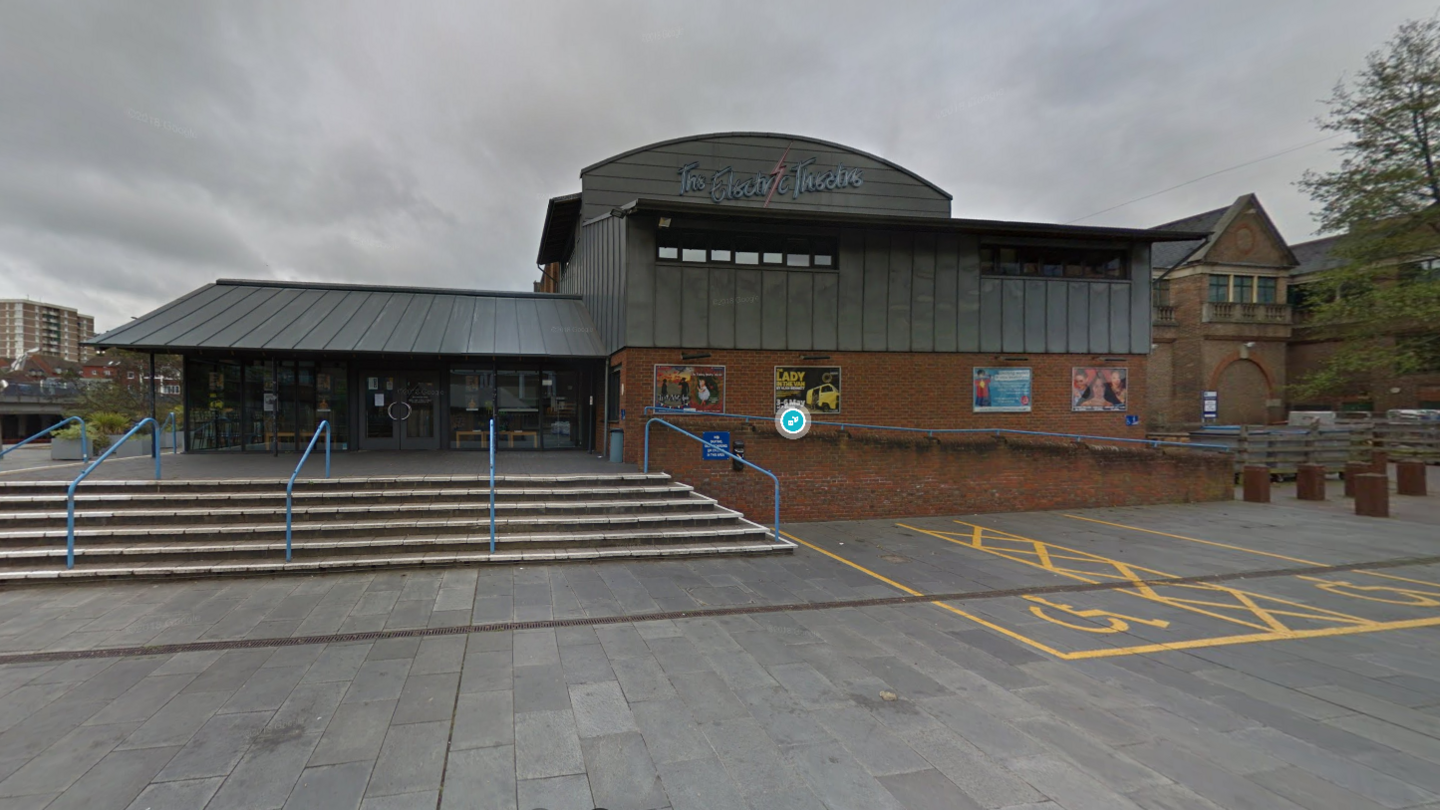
[288, 316]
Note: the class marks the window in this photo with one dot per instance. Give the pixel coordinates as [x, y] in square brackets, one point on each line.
[1265, 290]
[1047, 262]
[1219, 289]
[724, 248]
[1160, 294]
[1241, 290]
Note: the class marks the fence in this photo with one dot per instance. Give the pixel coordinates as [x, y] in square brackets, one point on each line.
[1284, 449]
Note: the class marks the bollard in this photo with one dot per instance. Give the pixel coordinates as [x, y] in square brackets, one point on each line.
[1352, 469]
[1410, 478]
[1380, 462]
[1257, 484]
[1372, 495]
[1310, 482]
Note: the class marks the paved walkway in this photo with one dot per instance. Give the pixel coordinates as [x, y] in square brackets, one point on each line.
[1296, 668]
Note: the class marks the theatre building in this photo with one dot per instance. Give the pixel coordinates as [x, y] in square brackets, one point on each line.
[723, 273]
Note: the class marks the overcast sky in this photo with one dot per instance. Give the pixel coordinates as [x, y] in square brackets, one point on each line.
[149, 148]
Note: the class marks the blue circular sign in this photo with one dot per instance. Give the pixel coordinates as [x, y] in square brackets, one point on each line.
[793, 422]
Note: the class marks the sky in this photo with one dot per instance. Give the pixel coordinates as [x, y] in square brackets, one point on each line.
[148, 148]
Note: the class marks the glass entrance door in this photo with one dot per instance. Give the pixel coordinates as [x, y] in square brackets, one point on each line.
[400, 410]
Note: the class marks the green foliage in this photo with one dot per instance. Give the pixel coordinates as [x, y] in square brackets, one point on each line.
[1385, 199]
[109, 422]
[70, 431]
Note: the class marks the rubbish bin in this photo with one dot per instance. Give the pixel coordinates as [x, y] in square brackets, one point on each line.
[617, 445]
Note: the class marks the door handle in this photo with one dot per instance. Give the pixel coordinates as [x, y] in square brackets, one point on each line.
[391, 411]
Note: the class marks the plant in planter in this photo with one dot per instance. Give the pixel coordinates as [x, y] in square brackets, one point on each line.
[112, 426]
[65, 444]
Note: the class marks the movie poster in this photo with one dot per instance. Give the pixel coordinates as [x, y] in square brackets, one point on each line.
[1001, 390]
[1098, 388]
[815, 387]
[690, 388]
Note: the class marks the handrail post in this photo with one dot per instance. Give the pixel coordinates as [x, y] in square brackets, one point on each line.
[89, 468]
[492, 486]
[712, 445]
[290, 487]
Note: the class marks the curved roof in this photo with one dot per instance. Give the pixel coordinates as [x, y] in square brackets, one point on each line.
[777, 136]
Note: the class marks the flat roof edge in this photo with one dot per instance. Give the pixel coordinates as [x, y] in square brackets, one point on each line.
[323, 285]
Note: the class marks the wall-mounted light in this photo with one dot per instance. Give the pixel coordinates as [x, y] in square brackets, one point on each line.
[619, 213]
[700, 356]
[815, 357]
[1114, 359]
[664, 222]
[1015, 359]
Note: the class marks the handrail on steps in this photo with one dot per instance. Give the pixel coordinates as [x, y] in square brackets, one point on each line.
[1154, 443]
[70, 493]
[290, 487]
[171, 422]
[492, 485]
[84, 438]
[779, 538]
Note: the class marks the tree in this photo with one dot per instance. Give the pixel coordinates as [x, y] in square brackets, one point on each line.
[1382, 303]
[128, 392]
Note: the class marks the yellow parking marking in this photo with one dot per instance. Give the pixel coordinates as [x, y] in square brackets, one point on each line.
[1273, 617]
[892, 583]
[1246, 550]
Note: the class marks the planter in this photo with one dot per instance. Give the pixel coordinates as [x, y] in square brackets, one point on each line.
[136, 446]
[66, 450]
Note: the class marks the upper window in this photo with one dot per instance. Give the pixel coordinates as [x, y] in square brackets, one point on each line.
[796, 253]
[1226, 289]
[1089, 263]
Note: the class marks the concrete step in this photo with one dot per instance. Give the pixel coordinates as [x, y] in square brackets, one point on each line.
[92, 517]
[411, 482]
[246, 498]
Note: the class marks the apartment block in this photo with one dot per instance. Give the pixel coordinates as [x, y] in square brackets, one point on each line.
[35, 326]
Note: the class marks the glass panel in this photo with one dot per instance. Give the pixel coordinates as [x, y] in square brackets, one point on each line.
[561, 420]
[668, 243]
[1219, 289]
[420, 396]
[285, 406]
[1242, 289]
[719, 255]
[258, 423]
[1009, 264]
[824, 252]
[214, 390]
[695, 248]
[379, 394]
[472, 401]
[332, 384]
[518, 406]
[772, 250]
[1265, 290]
[747, 251]
[797, 253]
[670, 252]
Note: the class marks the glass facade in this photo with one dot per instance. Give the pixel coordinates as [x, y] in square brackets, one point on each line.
[263, 404]
[472, 403]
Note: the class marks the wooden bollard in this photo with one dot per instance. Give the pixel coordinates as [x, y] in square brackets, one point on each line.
[1410, 478]
[1372, 495]
[1380, 462]
[1352, 469]
[1310, 482]
[1257, 484]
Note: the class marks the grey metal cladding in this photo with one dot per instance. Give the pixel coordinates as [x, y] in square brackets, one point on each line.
[946, 267]
[1012, 319]
[554, 338]
[639, 290]
[1057, 317]
[345, 324]
[377, 333]
[1140, 311]
[527, 327]
[224, 309]
[251, 329]
[1120, 318]
[596, 272]
[1035, 312]
[482, 335]
[922, 295]
[694, 308]
[407, 328]
[991, 309]
[851, 291]
[667, 306]
[772, 309]
[507, 327]
[825, 312]
[1079, 320]
[967, 296]
[1099, 316]
[877, 287]
[799, 311]
[722, 308]
[456, 339]
[152, 320]
[747, 309]
[437, 323]
[307, 322]
[898, 297]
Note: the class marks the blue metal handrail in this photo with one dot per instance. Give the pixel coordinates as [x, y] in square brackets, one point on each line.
[932, 431]
[70, 493]
[290, 487]
[171, 422]
[492, 485]
[84, 438]
[714, 446]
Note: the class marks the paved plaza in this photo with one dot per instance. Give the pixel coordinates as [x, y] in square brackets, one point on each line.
[1169, 658]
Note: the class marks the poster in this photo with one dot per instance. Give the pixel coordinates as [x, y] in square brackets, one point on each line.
[815, 387]
[1001, 390]
[1098, 388]
[691, 388]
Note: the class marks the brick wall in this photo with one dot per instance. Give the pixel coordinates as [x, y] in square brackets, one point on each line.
[833, 476]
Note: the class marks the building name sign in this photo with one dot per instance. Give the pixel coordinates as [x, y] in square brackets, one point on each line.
[804, 178]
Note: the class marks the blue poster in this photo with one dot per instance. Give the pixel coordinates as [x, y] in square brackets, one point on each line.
[720, 437]
[1002, 390]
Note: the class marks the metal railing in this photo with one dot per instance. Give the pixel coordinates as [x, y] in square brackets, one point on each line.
[779, 538]
[84, 438]
[172, 423]
[70, 493]
[290, 487]
[492, 485]
[932, 432]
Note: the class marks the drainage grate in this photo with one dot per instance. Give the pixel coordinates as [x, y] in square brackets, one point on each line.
[701, 613]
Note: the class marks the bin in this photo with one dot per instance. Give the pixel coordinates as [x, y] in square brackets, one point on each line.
[617, 445]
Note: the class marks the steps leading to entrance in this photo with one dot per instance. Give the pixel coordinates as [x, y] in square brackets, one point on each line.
[193, 528]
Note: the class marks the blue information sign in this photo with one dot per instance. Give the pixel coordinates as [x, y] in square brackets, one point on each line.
[1131, 420]
[720, 437]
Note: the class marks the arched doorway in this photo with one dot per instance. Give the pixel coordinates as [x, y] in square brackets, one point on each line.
[1243, 390]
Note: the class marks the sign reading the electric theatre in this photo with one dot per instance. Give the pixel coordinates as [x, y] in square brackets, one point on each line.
[803, 178]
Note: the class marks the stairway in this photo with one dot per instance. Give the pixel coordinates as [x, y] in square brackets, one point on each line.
[207, 527]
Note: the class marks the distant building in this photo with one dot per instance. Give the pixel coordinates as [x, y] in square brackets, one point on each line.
[27, 326]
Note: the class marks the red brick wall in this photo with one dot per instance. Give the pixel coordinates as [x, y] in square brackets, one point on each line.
[878, 474]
